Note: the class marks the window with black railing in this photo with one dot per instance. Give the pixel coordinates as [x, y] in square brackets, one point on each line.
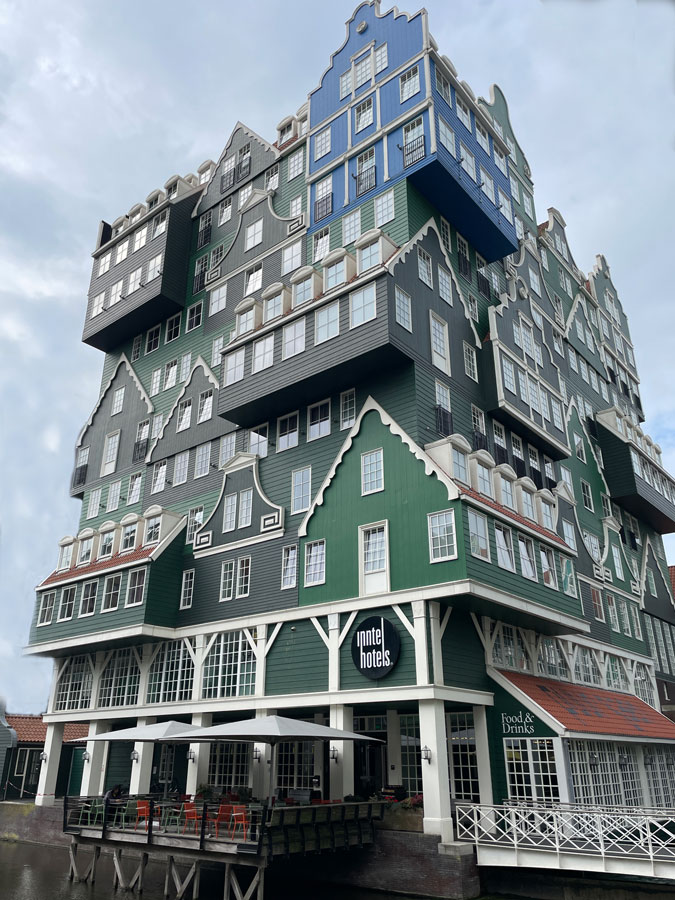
[204, 237]
[140, 450]
[80, 475]
[519, 466]
[413, 151]
[535, 475]
[632, 540]
[480, 440]
[464, 266]
[365, 181]
[443, 421]
[501, 454]
[198, 282]
[323, 207]
[483, 285]
[591, 427]
[550, 483]
[227, 180]
[244, 168]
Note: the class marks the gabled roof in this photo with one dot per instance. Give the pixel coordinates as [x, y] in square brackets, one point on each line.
[591, 710]
[123, 361]
[96, 568]
[32, 730]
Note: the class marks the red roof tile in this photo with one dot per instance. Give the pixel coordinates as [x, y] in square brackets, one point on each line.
[591, 710]
[99, 566]
[32, 730]
[551, 535]
[671, 572]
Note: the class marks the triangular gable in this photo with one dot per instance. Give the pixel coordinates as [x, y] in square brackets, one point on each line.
[497, 96]
[430, 467]
[123, 361]
[401, 254]
[650, 558]
[208, 372]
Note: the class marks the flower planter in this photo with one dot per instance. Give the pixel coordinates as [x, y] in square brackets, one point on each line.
[398, 818]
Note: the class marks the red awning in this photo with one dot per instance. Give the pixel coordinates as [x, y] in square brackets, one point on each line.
[591, 710]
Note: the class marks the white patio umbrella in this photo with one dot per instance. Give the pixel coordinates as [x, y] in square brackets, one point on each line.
[272, 730]
[145, 732]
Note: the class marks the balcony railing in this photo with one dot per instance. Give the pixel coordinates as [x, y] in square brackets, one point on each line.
[519, 466]
[535, 475]
[480, 440]
[323, 207]
[464, 266]
[365, 181]
[198, 282]
[501, 454]
[244, 168]
[483, 285]
[80, 475]
[227, 180]
[204, 237]
[140, 450]
[413, 151]
[443, 421]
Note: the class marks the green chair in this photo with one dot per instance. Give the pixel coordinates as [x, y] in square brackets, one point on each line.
[172, 817]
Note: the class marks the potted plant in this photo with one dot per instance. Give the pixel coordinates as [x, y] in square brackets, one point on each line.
[404, 815]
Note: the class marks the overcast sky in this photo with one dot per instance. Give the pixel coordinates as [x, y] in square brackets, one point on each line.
[101, 102]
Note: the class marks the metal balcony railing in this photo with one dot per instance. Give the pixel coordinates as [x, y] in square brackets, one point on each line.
[365, 181]
[204, 237]
[480, 441]
[519, 466]
[483, 285]
[413, 151]
[464, 266]
[323, 207]
[140, 450]
[443, 421]
[244, 168]
[535, 475]
[227, 180]
[80, 475]
[501, 454]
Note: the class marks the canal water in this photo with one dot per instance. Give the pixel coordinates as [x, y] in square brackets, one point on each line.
[37, 872]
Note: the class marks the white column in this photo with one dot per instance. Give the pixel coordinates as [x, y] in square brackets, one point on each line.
[260, 661]
[394, 774]
[198, 768]
[482, 755]
[342, 771]
[141, 770]
[421, 643]
[93, 771]
[561, 770]
[261, 771]
[435, 779]
[333, 652]
[319, 750]
[435, 629]
[50, 767]
[200, 655]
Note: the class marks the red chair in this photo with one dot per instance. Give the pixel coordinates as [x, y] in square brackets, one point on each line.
[190, 811]
[239, 820]
[222, 817]
[143, 812]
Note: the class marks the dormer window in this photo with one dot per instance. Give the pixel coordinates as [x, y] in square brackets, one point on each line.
[118, 229]
[302, 291]
[272, 307]
[286, 133]
[245, 321]
[128, 537]
[106, 546]
[152, 530]
[86, 549]
[484, 479]
[65, 557]
[528, 505]
[172, 190]
[334, 274]
[205, 175]
[153, 202]
[369, 256]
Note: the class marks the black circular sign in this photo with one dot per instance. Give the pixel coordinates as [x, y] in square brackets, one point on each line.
[375, 647]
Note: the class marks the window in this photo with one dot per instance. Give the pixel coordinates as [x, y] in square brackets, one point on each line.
[194, 317]
[291, 257]
[105, 547]
[315, 563]
[347, 408]
[616, 557]
[217, 351]
[424, 268]
[487, 185]
[272, 178]
[271, 308]
[245, 508]
[443, 87]
[468, 162]
[295, 164]
[446, 136]
[263, 353]
[547, 515]
[548, 567]
[46, 608]
[187, 589]
[334, 274]
[321, 241]
[505, 205]
[289, 565]
[244, 195]
[362, 306]
[104, 263]
[327, 322]
[159, 224]
[482, 136]
[243, 576]
[230, 512]
[409, 83]
[227, 448]
[254, 234]
[362, 71]
[586, 495]
[384, 208]
[287, 432]
[403, 309]
[470, 367]
[528, 566]
[293, 340]
[253, 279]
[195, 521]
[345, 84]
[88, 599]
[245, 321]
[227, 580]
[373, 552]
[110, 448]
[478, 535]
[444, 285]
[135, 587]
[158, 477]
[65, 557]
[152, 339]
[318, 420]
[302, 291]
[97, 304]
[440, 351]
[507, 492]
[225, 211]
[94, 503]
[459, 469]
[364, 115]
[623, 617]
[234, 367]
[184, 414]
[136, 347]
[300, 489]
[528, 505]
[111, 593]
[369, 256]
[484, 479]
[598, 608]
[351, 228]
[257, 440]
[170, 374]
[477, 419]
[67, 604]
[140, 238]
[442, 545]
[500, 160]
[180, 467]
[463, 112]
[372, 472]
[185, 363]
[113, 496]
[504, 544]
[155, 267]
[202, 460]
[116, 292]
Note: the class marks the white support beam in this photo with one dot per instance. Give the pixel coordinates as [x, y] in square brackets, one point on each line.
[482, 754]
[141, 769]
[435, 777]
[198, 768]
[93, 772]
[342, 770]
[419, 610]
[436, 635]
[49, 768]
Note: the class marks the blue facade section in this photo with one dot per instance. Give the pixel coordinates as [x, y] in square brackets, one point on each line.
[404, 38]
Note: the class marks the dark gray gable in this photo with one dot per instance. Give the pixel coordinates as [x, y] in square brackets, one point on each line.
[661, 605]
[267, 518]
[171, 441]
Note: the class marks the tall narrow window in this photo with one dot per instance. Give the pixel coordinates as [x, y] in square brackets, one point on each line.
[315, 563]
[374, 558]
[372, 472]
[300, 489]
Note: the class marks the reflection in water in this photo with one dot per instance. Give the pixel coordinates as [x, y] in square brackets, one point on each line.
[36, 872]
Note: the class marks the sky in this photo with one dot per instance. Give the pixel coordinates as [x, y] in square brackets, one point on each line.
[101, 103]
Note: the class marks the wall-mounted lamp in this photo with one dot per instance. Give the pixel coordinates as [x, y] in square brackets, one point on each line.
[86, 756]
[426, 754]
[649, 759]
[334, 754]
[191, 755]
[134, 755]
[623, 760]
[43, 757]
[257, 754]
[593, 760]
